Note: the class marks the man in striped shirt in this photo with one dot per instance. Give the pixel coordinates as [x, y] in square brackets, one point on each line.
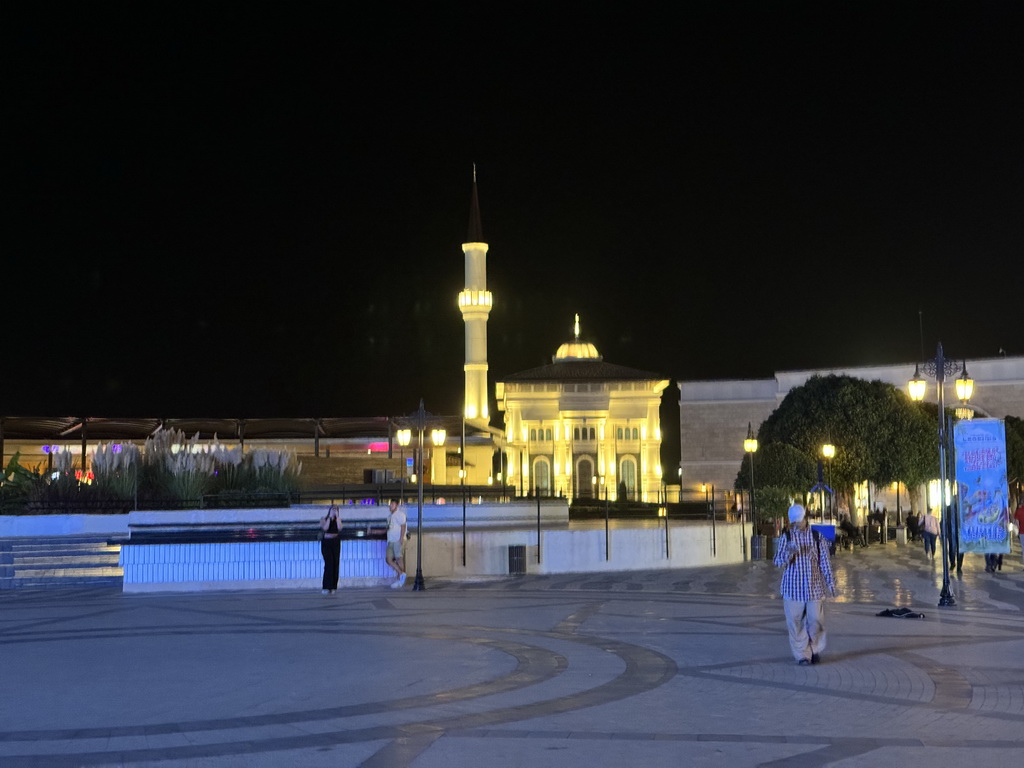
[806, 582]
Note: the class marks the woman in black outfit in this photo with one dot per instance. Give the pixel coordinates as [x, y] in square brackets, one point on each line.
[330, 548]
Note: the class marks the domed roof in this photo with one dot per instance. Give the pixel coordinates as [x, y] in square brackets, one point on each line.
[576, 350]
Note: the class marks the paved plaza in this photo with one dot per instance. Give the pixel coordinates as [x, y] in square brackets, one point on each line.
[654, 669]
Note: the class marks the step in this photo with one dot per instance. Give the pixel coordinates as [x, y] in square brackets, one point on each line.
[64, 560]
[60, 573]
[43, 583]
[56, 545]
[61, 561]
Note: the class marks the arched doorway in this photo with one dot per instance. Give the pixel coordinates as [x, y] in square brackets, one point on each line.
[584, 478]
[542, 477]
[627, 478]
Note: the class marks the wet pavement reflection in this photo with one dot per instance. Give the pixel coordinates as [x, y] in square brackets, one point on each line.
[889, 574]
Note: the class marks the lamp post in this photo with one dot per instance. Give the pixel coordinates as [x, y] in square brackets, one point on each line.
[437, 436]
[939, 368]
[404, 437]
[750, 446]
[828, 451]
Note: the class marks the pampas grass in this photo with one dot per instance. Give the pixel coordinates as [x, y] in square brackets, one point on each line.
[170, 469]
[116, 469]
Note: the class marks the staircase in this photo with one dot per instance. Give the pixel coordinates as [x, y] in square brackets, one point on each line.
[60, 561]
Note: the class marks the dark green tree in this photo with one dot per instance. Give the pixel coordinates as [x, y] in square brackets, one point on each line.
[781, 472]
[879, 434]
[1015, 456]
[778, 465]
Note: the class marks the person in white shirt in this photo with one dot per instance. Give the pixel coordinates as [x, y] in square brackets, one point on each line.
[395, 556]
[929, 532]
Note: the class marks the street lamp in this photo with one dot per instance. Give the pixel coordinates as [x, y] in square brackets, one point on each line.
[939, 368]
[404, 437]
[750, 446]
[437, 437]
[828, 451]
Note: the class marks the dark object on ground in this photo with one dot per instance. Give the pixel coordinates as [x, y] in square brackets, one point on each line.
[900, 613]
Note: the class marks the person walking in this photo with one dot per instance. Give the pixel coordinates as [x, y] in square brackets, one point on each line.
[913, 526]
[395, 555]
[806, 582]
[929, 532]
[330, 548]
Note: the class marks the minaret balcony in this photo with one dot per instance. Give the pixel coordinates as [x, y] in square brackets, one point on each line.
[468, 299]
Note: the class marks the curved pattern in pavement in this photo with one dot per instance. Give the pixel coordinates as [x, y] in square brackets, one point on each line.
[654, 661]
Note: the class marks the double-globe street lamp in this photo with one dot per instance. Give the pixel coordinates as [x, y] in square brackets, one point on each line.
[420, 420]
[939, 368]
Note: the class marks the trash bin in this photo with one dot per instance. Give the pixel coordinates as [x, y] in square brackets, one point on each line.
[901, 535]
[758, 547]
[517, 559]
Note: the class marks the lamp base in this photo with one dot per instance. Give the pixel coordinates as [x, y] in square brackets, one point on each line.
[418, 585]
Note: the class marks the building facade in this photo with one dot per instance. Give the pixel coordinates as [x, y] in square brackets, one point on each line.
[583, 428]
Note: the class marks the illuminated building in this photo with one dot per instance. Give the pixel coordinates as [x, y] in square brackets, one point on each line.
[581, 427]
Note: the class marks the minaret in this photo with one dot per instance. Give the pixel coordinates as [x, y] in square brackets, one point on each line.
[475, 305]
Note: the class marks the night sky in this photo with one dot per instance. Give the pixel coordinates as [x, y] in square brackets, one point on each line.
[223, 210]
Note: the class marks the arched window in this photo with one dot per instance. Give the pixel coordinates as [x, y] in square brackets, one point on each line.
[533, 434]
[547, 434]
[636, 433]
[575, 433]
[542, 477]
[592, 433]
[618, 433]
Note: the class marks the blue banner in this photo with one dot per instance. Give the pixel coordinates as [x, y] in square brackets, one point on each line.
[981, 485]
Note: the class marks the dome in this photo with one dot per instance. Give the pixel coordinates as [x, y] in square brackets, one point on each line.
[576, 349]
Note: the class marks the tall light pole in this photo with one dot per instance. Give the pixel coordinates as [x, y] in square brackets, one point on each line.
[939, 368]
[437, 436]
[750, 446]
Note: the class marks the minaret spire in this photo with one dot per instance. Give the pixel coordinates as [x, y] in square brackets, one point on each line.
[475, 305]
[476, 230]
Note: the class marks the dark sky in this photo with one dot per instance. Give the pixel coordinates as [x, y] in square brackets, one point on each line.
[248, 211]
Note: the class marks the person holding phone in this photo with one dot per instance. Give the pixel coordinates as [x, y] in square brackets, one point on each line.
[806, 582]
[330, 548]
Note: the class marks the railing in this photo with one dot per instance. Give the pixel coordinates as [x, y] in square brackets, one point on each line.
[358, 494]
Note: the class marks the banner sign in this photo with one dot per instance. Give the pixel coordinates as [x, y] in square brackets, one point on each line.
[981, 485]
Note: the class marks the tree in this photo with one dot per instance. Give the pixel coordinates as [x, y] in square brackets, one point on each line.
[781, 473]
[1015, 455]
[781, 466]
[879, 434]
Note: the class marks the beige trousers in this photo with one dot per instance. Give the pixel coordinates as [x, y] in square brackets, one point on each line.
[806, 624]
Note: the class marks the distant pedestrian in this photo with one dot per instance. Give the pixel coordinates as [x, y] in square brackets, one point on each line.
[853, 534]
[806, 582]
[330, 548]
[913, 530]
[929, 532]
[395, 555]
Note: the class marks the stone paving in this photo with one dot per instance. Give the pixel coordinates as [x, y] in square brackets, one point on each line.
[653, 668]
